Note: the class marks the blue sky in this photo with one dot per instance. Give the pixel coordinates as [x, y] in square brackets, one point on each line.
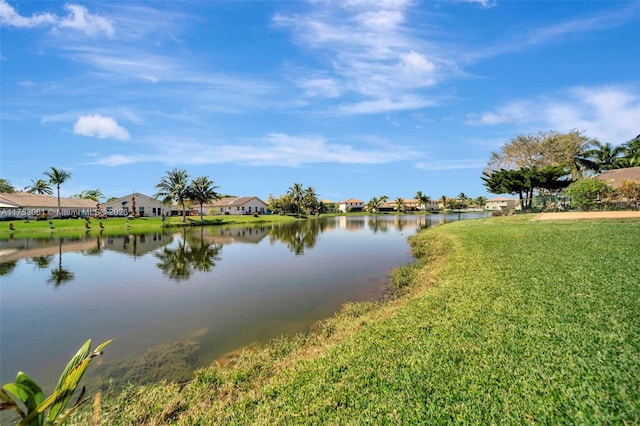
[355, 98]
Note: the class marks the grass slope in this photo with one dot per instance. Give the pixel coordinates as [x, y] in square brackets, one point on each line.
[508, 321]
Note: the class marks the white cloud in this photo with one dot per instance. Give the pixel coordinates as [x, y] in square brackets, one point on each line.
[609, 113]
[483, 3]
[368, 50]
[407, 102]
[274, 149]
[100, 127]
[78, 19]
[8, 16]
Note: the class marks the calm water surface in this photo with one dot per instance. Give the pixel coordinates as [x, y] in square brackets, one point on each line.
[176, 301]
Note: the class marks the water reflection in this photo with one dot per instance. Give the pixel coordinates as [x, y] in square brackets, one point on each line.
[60, 275]
[274, 280]
[298, 237]
[192, 253]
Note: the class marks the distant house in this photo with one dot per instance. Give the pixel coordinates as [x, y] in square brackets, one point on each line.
[615, 177]
[136, 204]
[329, 206]
[501, 203]
[351, 205]
[21, 205]
[233, 206]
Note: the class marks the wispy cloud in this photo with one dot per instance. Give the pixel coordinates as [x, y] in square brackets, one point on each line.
[78, 18]
[405, 102]
[368, 51]
[554, 32]
[274, 149]
[609, 113]
[100, 127]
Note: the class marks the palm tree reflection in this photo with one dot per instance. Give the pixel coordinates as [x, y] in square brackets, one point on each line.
[298, 236]
[60, 275]
[41, 262]
[192, 254]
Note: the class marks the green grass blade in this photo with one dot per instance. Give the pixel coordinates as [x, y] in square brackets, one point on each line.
[21, 396]
[72, 379]
[38, 396]
[82, 353]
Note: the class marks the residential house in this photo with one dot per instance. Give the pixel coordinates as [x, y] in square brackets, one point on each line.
[351, 205]
[233, 206]
[410, 205]
[501, 203]
[23, 205]
[329, 206]
[135, 204]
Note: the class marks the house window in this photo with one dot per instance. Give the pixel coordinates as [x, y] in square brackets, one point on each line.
[141, 210]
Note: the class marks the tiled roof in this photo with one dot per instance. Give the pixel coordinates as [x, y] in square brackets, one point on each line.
[25, 200]
[352, 200]
[231, 202]
[499, 199]
[616, 176]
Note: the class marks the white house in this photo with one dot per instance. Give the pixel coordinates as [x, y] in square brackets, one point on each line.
[351, 205]
[233, 206]
[501, 203]
[135, 203]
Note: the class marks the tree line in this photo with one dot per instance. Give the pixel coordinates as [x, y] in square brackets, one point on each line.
[550, 162]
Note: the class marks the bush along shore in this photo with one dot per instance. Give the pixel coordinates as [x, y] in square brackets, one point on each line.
[501, 320]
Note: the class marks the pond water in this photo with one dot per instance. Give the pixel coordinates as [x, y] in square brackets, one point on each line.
[178, 300]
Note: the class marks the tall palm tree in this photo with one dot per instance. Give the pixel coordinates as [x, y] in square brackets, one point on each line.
[174, 186]
[311, 199]
[39, 186]
[297, 194]
[423, 199]
[462, 197]
[202, 190]
[57, 177]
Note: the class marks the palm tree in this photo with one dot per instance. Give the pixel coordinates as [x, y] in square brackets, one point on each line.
[90, 194]
[444, 201]
[202, 190]
[39, 186]
[601, 156]
[297, 194]
[463, 200]
[398, 204]
[631, 153]
[374, 204]
[311, 199]
[423, 199]
[174, 186]
[57, 177]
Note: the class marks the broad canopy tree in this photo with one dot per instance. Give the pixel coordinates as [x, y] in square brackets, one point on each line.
[525, 181]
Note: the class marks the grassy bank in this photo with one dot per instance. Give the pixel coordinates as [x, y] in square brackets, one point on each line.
[506, 321]
[67, 227]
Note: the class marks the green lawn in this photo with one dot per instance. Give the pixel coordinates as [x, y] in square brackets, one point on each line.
[507, 321]
[69, 227]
